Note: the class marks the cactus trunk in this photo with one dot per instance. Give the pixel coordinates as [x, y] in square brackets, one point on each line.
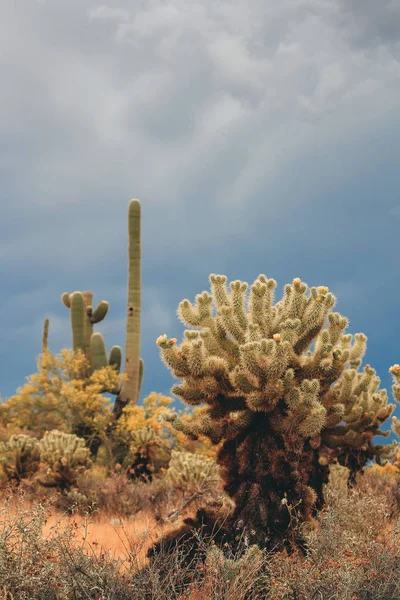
[133, 364]
[84, 316]
[265, 479]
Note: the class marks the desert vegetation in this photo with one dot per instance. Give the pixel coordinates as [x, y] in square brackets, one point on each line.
[259, 477]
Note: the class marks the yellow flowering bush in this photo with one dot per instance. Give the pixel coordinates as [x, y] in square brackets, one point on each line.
[58, 397]
[149, 415]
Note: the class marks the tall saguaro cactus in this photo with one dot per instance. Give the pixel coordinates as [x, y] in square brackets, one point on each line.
[134, 366]
[83, 317]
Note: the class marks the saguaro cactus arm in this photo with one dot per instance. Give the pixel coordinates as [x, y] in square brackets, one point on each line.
[83, 317]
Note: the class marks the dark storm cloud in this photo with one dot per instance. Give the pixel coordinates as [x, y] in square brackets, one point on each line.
[259, 136]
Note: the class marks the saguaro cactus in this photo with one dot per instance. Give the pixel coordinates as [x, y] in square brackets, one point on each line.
[45, 336]
[134, 366]
[83, 317]
[282, 392]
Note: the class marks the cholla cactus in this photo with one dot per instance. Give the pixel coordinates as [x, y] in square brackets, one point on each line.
[65, 456]
[20, 457]
[282, 392]
[237, 576]
[148, 454]
[192, 471]
[76, 501]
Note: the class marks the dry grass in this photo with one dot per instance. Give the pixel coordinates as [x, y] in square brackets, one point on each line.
[353, 554]
[101, 531]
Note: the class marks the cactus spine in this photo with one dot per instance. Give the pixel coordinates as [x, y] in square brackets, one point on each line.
[192, 471]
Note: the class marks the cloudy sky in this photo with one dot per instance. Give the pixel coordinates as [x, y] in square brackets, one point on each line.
[260, 137]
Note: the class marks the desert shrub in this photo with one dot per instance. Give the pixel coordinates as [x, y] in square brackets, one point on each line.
[238, 576]
[383, 480]
[54, 566]
[57, 397]
[147, 416]
[353, 553]
[119, 496]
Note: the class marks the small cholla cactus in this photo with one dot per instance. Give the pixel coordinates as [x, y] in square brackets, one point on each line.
[77, 501]
[233, 572]
[283, 396]
[20, 457]
[65, 457]
[149, 454]
[192, 471]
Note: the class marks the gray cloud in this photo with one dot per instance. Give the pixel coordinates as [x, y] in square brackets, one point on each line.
[369, 23]
[259, 136]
